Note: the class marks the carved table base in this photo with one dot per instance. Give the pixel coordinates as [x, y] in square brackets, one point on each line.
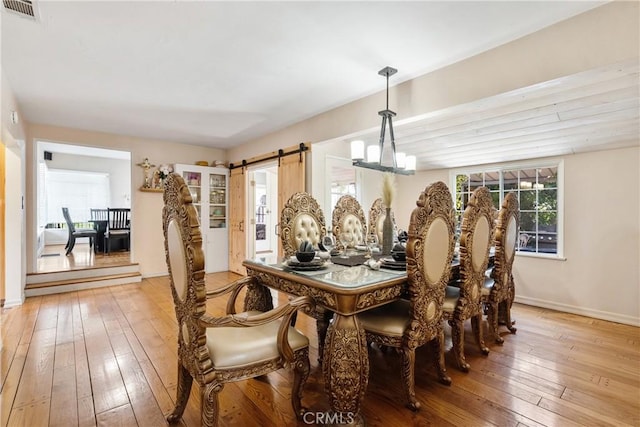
[346, 367]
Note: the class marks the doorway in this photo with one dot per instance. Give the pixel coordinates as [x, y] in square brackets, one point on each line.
[262, 240]
[79, 178]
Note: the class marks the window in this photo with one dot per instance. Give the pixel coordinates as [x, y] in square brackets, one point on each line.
[537, 190]
[341, 180]
[77, 190]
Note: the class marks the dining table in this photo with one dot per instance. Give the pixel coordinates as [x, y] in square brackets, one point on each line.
[346, 287]
[100, 225]
[345, 290]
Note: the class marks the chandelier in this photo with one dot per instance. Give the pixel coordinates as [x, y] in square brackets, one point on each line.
[402, 164]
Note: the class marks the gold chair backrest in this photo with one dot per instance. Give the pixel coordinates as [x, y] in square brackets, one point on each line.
[429, 253]
[377, 214]
[506, 237]
[348, 221]
[185, 261]
[300, 220]
[475, 242]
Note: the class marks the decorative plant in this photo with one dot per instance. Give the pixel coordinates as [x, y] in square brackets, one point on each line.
[164, 170]
[388, 189]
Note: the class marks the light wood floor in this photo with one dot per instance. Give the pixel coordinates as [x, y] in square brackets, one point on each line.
[81, 257]
[108, 357]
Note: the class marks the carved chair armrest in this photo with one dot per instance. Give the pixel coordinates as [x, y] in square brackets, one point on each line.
[284, 312]
[234, 287]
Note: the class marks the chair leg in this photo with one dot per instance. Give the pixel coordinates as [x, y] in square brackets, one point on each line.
[476, 327]
[408, 377]
[437, 345]
[301, 368]
[323, 319]
[457, 335]
[71, 244]
[210, 407]
[492, 321]
[505, 311]
[182, 396]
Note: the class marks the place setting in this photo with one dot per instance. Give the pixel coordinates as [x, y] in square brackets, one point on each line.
[307, 259]
[397, 260]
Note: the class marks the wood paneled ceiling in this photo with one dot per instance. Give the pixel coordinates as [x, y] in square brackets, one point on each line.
[593, 110]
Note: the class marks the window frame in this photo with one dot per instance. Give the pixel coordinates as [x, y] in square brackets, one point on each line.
[501, 168]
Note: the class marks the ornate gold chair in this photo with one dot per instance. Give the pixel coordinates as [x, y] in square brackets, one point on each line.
[498, 292]
[348, 223]
[300, 220]
[463, 301]
[218, 350]
[377, 214]
[408, 324]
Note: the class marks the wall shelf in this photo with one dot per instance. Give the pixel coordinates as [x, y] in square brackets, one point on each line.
[151, 190]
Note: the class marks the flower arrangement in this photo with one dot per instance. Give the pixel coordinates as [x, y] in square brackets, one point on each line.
[388, 189]
[164, 170]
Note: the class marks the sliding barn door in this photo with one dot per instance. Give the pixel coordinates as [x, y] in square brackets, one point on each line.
[291, 179]
[237, 226]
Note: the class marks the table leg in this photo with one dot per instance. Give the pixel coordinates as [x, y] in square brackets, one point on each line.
[258, 298]
[346, 369]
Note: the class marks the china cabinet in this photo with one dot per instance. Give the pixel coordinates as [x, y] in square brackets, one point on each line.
[209, 189]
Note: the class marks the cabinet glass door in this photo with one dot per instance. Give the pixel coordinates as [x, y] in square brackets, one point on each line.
[217, 200]
[194, 183]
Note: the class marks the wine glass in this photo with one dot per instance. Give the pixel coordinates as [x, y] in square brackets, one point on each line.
[372, 243]
[328, 242]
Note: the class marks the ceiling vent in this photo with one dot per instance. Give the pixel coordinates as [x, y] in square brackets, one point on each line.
[24, 8]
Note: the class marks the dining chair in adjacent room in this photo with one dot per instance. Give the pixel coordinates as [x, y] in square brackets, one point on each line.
[499, 291]
[377, 214]
[99, 214]
[218, 350]
[118, 228]
[348, 223]
[410, 323]
[463, 301]
[302, 220]
[75, 233]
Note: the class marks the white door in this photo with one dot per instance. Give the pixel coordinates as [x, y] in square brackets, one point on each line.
[263, 211]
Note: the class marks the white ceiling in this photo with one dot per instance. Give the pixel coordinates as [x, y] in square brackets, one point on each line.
[222, 73]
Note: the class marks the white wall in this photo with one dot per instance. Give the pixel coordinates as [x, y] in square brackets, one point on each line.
[13, 135]
[119, 171]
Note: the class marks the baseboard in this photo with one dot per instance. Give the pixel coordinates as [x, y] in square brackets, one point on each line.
[12, 303]
[597, 314]
[146, 276]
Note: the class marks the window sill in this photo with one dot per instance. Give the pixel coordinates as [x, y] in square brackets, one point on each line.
[553, 257]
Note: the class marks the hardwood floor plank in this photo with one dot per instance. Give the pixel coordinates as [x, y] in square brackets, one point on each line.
[122, 416]
[37, 376]
[10, 386]
[35, 414]
[145, 409]
[64, 407]
[108, 357]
